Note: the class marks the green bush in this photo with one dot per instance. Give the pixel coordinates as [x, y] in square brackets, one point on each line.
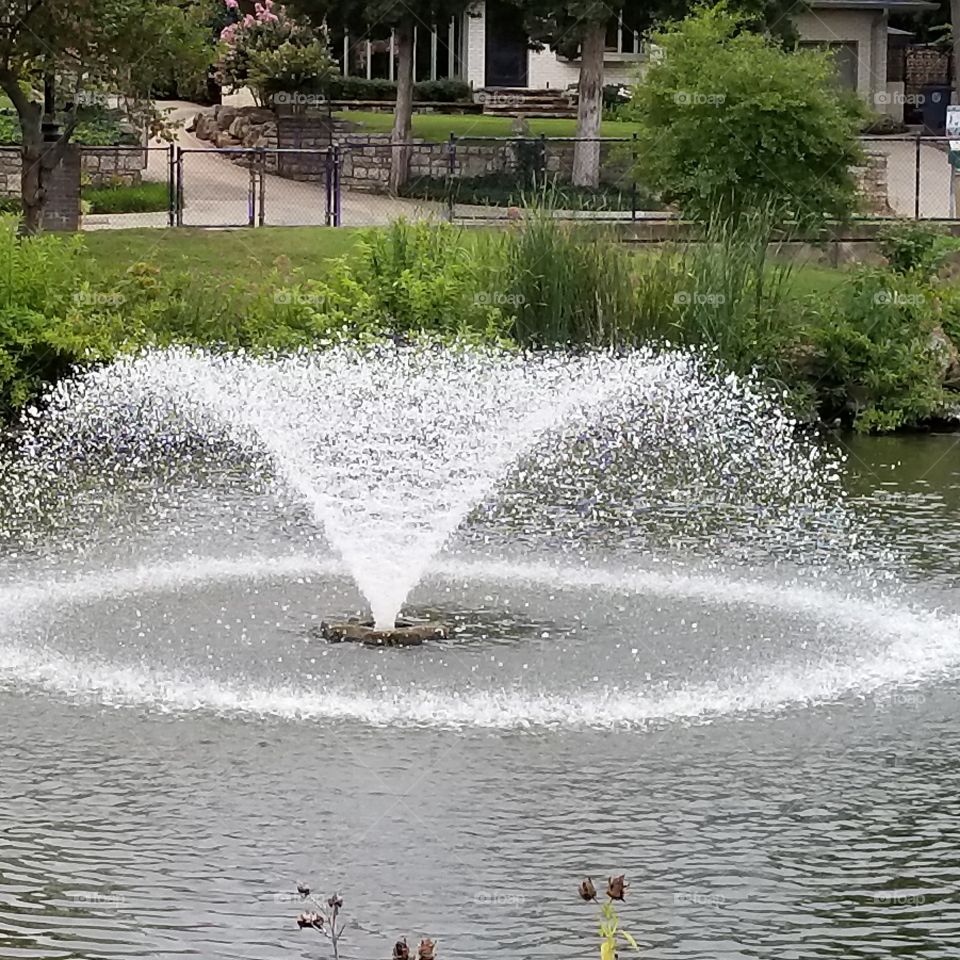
[729, 121]
[50, 316]
[432, 91]
[916, 247]
[873, 355]
[97, 127]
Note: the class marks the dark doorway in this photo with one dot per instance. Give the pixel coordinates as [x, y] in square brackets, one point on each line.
[506, 46]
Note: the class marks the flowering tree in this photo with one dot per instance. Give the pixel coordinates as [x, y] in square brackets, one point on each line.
[268, 51]
[77, 48]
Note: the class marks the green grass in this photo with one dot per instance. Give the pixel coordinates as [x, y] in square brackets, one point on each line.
[251, 254]
[223, 254]
[142, 198]
[439, 126]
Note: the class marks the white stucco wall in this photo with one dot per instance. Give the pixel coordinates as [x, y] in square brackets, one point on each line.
[545, 70]
[866, 28]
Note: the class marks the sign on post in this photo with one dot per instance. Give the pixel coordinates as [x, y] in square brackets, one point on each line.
[953, 153]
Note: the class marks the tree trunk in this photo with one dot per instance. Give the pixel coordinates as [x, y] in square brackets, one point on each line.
[32, 185]
[403, 111]
[955, 24]
[586, 150]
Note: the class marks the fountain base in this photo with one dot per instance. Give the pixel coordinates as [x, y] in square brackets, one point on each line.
[405, 634]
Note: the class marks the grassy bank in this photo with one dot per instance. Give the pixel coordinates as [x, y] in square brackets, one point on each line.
[870, 347]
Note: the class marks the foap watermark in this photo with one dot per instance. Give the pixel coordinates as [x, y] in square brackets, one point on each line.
[297, 298]
[898, 899]
[99, 899]
[497, 99]
[694, 98]
[296, 98]
[498, 298]
[699, 899]
[500, 899]
[887, 98]
[98, 298]
[894, 298]
[688, 298]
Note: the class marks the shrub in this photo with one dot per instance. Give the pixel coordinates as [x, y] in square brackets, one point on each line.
[916, 247]
[730, 122]
[874, 357]
[50, 318]
[290, 67]
[126, 198]
[361, 88]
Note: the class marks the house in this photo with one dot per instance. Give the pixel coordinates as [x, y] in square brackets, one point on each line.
[488, 48]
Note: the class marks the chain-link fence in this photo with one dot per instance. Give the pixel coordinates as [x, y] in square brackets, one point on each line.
[463, 179]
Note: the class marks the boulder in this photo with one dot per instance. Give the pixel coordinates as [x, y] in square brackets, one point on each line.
[949, 356]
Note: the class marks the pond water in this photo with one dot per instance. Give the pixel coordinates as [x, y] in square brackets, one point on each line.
[766, 743]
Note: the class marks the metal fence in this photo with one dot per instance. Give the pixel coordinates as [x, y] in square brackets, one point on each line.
[464, 180]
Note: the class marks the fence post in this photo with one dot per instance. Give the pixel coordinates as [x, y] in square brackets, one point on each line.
[633, 179]
[171, 185]
[179, 186]
[328, 184]
[337, 165]
[542, 160]
[451, 172]
[916, 183]
[262, 161]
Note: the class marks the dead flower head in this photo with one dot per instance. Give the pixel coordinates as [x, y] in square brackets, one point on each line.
[314, 920]
[400, 950]
[617, 887]
[587, 890]
[426, 949]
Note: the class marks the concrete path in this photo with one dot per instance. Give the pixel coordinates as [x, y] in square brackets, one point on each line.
[216, 193]
[902, 176]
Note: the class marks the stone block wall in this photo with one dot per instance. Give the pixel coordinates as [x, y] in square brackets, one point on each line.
[873, 185]
[105, 166]
[100, 166]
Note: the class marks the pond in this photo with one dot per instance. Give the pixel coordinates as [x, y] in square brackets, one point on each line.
[764, 740]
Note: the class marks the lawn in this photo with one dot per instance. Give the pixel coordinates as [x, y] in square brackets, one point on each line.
[251, 254]
[223, 254]
[439, 126]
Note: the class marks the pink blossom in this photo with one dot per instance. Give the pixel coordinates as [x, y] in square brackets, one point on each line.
[232, 4]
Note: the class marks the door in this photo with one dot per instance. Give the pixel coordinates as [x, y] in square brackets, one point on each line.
[506, 46]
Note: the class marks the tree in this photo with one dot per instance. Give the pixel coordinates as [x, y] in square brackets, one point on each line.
[577, 29]
[356, 16]
[55, 53]
[732, 122]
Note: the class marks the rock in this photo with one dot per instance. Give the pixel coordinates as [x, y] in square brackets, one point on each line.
[192, 123]
[224, 115]
[238, 127]
[949, 356]
[225, 140]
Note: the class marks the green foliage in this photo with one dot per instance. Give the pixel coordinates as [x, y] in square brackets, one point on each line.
[611, 934]
[729, 297]
[44, 326]
[302, 67]
[125, 198]
[431, 91]
[97, 127]
[409, 280]
[563, 283]
[873, 355]
[916, 247]
[507, 190]
[731, 122]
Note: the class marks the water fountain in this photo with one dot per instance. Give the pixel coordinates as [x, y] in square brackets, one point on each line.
[627, 544]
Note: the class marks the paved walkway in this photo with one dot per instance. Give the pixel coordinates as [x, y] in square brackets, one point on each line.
[216, 193]
[902, 177]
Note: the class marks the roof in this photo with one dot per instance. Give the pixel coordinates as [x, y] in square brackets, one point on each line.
[901, 6]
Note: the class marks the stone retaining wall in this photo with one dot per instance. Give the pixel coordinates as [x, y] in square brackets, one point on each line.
[99, 166]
